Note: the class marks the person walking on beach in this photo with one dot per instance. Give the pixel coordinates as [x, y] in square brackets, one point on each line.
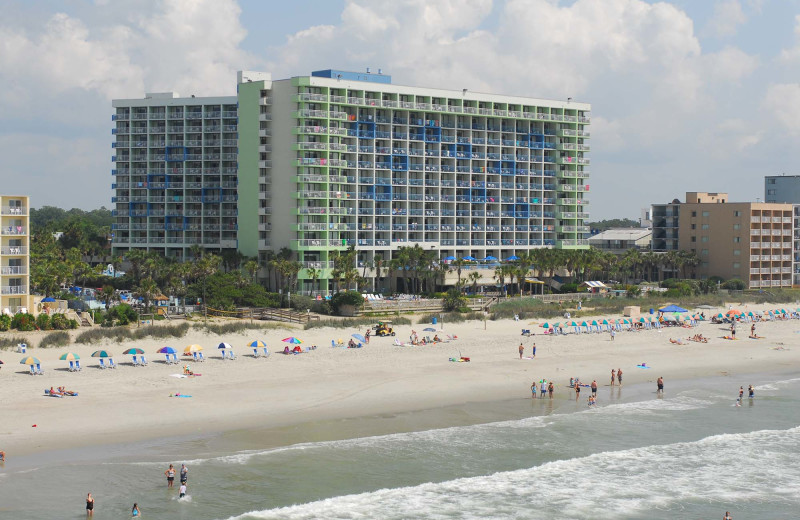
[660, 383]
[619, 376]
[521, 350]
[184, 473]
[613, 334]
[170, 473]
[550, 388]
[89, 505]
[594, 387]
[753, 331]
[577, 390]
[533, 390]
[733, 330]
[613, 376]
[534, 350]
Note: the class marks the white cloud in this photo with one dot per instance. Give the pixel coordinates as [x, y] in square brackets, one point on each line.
[793, 54]
[783, 102]
[728, 16]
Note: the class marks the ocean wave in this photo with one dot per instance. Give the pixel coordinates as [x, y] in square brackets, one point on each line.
[727, 469]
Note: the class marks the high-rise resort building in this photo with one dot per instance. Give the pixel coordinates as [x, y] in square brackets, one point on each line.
[15, 295]
[175, 174]
[339, 159]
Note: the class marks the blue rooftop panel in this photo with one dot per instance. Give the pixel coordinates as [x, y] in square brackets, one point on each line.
[353, 76]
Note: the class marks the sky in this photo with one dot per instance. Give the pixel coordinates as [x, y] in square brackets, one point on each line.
[686, 95]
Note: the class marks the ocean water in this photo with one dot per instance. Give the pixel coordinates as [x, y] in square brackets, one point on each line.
[692, 454]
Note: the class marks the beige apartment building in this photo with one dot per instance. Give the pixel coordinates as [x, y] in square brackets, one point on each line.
[751, 241]
[14, 254]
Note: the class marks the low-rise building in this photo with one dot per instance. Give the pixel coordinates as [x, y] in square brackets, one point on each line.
[619, 240]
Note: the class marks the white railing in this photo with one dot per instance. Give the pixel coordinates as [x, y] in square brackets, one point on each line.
[14, 210]
[13, 269]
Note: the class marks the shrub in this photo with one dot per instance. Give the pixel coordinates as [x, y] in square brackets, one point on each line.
[353, 298]
[301, 302]
[43, 322]
[569, 288]
[60, 322]
[453, 300]
[5, 322]
[234, 327]
[122, 314]
[350, 323]
[55, 339]
[23, 322]
[166, 331]
[734, 285]
[9, 342]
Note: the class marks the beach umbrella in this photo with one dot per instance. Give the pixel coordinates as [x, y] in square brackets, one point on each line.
[750, 313]
[360, 337]
[257, 344]
[30, 360]
[163, 350]
[134, 350]
[672, 308]
[512, 258]
[783, 311]
[224, 345]
[734, 312]
[69, 356]
[449, 258]
[605, 322]
[429, 329]
[720, 315]
[469, 258]
[48, 300]
[556, 325]
[1, 362]
[545, 325]
[490, 258]
[584, 324]
[574, 324]
[192, 348]
[594, 323]
[103, 353]
[292, 340]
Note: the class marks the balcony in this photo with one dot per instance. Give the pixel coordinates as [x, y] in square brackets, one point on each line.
[13, 269]
[14, 210]
[13, 289]
[14, 230]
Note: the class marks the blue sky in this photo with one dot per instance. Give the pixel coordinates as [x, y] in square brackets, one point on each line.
[686, 95]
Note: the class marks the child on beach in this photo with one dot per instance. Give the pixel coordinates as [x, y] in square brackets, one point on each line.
[182, 491]
[533, 390]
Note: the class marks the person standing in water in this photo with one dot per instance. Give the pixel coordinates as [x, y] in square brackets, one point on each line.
[577, 390]
[170, 473]
[89, 505]
[741, 393]
[619, 376]
[550, 388]
[182, 491]
[533, 390]
[751, 392]
[613, 376]
[594, 387]
[184, 473]
[727, 516]
[135, 510]
[660, 385]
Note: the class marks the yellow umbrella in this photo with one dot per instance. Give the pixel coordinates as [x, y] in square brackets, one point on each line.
[192, 348]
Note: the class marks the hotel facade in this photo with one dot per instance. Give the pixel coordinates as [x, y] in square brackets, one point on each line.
[338, 159]
[15, 295]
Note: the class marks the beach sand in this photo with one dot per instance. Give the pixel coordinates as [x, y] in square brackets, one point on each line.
[134, 404]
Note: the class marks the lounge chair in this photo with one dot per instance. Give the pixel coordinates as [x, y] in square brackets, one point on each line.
[33, 370]
[78, 366]
[175, 359]
[22, 348]
[143, 360]
[136, 361]
[264, 352]
[111, 363]
[231, 354]
[39, 370]
[168, 359]
[224, 353]
[103, 364]
[195, 356]
[200, 357]
[255, 352]
[72, 366]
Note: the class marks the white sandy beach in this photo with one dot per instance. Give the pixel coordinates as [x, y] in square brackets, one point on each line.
[134, 403]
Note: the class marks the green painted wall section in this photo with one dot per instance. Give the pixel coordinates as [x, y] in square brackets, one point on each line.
[249, 97]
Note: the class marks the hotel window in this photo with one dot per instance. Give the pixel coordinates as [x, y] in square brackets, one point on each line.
[737, 252]
[694, 213]
[694, 239]
[703, 239]
[736, 265]
[737, 213]
[704, 252]
[704, 264]
[704, 226]
[737, 239]
[706, 213]
[694, 226]
[771, 192]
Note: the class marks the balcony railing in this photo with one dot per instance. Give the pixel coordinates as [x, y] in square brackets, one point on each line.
[13, 289]
[14, 230]
[14, 210]
[13, 269]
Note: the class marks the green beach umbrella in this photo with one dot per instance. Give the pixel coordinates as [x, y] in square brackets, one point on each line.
[69, 356]
[134, 351]
[100, 353]
[30, 360]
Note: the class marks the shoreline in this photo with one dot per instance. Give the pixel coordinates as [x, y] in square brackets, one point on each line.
[282, 394]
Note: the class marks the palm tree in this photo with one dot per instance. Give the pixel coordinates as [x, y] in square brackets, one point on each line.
[473, 277]
[459, 264]
[378, 262]
[107, 295]
[314, 274]
[252, 267]
[147, 290]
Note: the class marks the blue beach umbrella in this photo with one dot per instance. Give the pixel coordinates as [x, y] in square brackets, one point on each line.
[469, 258]
[360, 337]
[491, 258]
[48, 300]
[449, 258]
[164, 350]
[512, 258]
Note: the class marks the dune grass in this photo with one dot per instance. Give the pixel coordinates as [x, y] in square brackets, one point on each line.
[58, 338]
[357, 323]
[12, 342]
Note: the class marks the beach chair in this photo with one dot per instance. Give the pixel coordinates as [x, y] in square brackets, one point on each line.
[142, 361]
[175, 359]
[136, 361]
[200, 357]
[265, 352]
[111, 363]
[195, 357]
[22, 348]
[255, 352]
[231, 354]
[224, 353]
[168, 359]
[39, 370]
[103, 364]
[333, 344]
[33, 370]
